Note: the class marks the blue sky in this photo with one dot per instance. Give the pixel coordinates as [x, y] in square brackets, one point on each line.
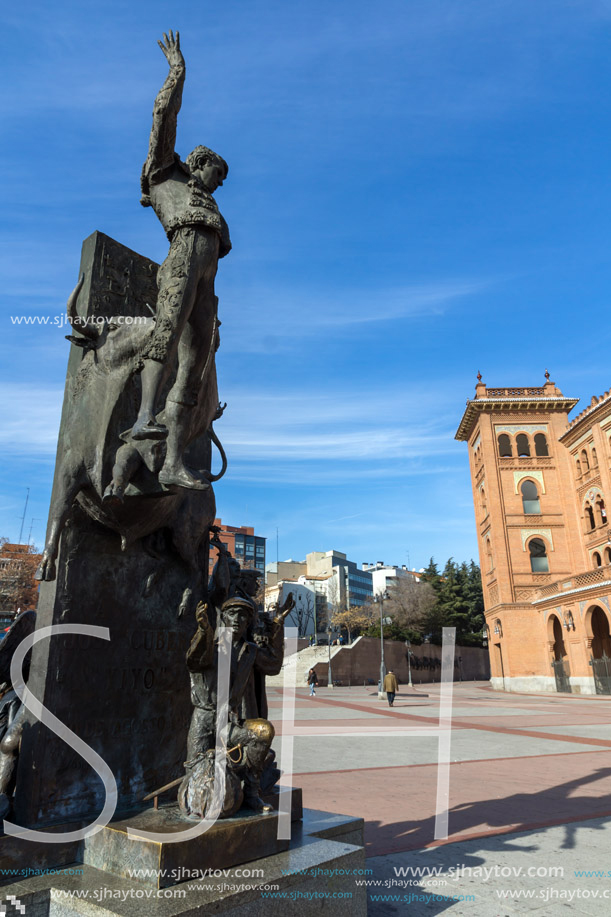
[417, 190]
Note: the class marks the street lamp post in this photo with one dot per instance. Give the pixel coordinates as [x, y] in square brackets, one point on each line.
[329, 673]
[409, 663]
[380, 598]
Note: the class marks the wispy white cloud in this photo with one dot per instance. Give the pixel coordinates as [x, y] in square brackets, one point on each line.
[278, 319]
[315, 438]
[291, 436]
[328, 475]
[30, 419]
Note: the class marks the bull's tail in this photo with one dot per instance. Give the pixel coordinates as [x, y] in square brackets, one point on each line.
[219, 446]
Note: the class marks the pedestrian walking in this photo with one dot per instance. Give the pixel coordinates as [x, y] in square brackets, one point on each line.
[391, 686]
[313, 682]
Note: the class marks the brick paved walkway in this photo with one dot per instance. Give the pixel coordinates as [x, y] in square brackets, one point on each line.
[538, 765]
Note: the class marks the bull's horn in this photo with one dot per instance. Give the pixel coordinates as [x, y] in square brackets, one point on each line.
[73, 316]
[151, 310]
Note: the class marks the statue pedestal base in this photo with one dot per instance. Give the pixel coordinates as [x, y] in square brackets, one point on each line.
[112, 850]
[230, 842]
[325, 857]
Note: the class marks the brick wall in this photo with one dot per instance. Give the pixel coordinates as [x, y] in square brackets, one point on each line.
[360, 662]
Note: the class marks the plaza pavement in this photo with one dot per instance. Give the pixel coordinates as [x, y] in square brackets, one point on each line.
[530, 790]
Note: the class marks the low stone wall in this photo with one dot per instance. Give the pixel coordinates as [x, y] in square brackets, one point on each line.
[302, 642]
[360, 663]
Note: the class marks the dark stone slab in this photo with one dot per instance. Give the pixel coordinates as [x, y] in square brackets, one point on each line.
[22, 858]
[128, 698]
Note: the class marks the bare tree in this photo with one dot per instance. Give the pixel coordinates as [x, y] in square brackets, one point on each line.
[304, 611]
[357, 617]
[409, 602]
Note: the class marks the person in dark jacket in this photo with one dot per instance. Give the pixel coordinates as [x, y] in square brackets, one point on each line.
[313, 682]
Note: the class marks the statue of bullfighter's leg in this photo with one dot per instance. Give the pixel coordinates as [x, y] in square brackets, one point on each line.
[146, 427]
[185, 411]
[177, 279]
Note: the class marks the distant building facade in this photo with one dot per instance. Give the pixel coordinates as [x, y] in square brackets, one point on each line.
[289, 570]
[334, 581]
[540, 485]
[303, 616]
[18, 588]
[384, 574]
[244, 545]
[350, 585]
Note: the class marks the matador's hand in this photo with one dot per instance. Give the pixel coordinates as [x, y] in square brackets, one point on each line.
[171, 48]
[285, 609]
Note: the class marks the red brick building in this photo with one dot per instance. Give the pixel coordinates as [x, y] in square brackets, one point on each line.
[244, 545]
[540, 484]
[18, 588]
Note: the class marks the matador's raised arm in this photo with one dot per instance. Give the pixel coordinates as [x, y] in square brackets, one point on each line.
[165, 114]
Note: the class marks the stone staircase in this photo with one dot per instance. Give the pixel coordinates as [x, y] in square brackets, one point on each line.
[304, 661]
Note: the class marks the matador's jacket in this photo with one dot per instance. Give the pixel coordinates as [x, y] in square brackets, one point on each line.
[177, 197]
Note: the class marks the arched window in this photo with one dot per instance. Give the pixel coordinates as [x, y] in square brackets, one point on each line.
[585, 462]
[522, 445]
[599, 623]
[538, 556]
[607, 556]
[601, 512]
[578, 464]
[596, 559]
[530, 497]
[483, 500]
[594, 459]
[505, 450]
[589, 512]
[541, 444]
[489, 554]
